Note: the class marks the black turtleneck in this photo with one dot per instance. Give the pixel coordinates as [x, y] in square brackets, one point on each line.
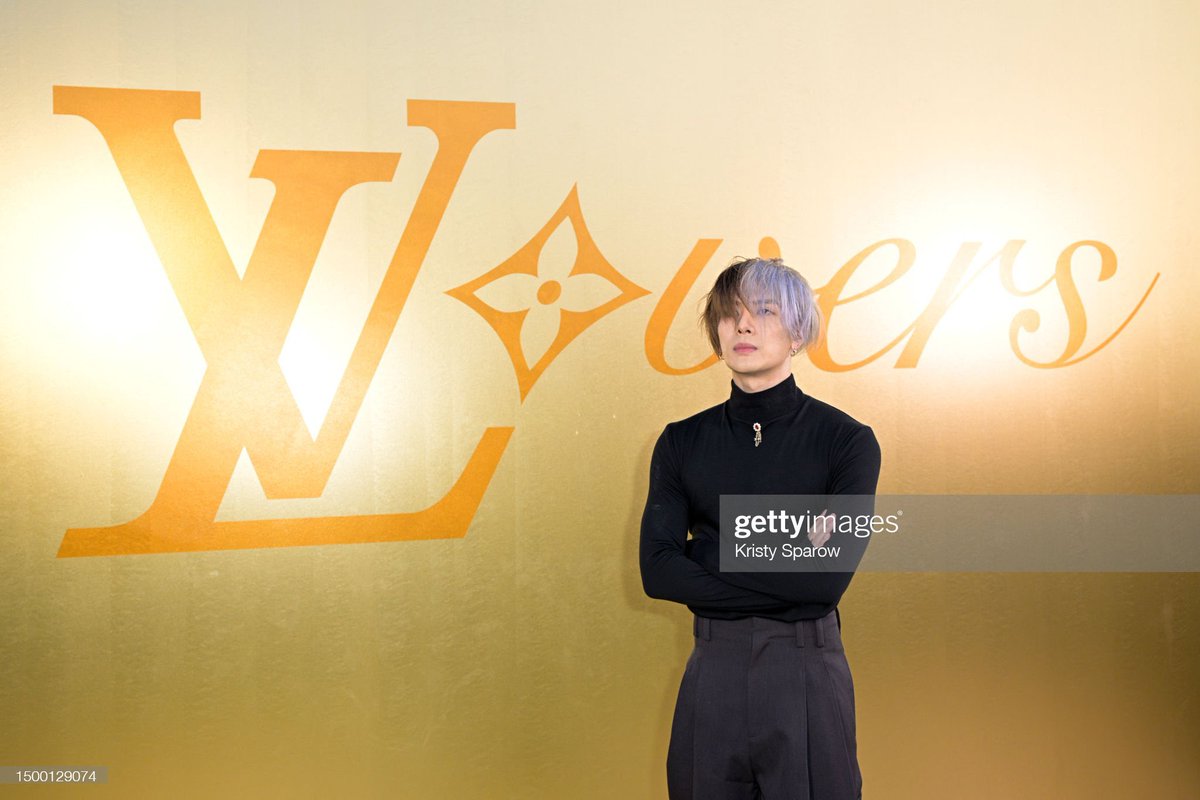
[808, 447]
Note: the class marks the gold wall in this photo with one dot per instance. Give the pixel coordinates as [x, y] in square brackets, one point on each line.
[510, 211]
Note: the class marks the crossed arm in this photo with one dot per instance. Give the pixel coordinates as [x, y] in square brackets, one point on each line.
[689, 572]
[667, 571]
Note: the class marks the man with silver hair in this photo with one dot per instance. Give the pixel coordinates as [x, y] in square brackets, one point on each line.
[766, 704]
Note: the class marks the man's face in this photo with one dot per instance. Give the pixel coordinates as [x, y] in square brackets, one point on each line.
[755, 344]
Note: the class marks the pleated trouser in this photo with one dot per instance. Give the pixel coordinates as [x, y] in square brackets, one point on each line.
[765, 710]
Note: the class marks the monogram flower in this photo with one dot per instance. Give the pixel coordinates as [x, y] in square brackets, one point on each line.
[548, 293]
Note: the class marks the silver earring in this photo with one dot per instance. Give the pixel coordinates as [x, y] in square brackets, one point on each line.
[795, 350]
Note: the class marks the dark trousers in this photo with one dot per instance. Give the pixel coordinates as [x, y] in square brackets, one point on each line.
[765, 710]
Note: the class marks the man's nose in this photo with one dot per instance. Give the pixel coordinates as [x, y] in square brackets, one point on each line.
[744, 319]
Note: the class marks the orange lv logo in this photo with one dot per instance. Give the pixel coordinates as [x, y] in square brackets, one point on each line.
[241, 325]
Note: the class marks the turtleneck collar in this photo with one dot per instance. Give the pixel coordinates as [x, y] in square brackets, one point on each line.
[766, 405]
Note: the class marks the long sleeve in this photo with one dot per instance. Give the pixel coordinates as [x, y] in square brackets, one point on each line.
[667, 571]
[854, 471]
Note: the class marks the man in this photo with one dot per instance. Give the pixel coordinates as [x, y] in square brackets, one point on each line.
[766, 703]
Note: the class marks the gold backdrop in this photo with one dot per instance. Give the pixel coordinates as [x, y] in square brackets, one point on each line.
[335, 340]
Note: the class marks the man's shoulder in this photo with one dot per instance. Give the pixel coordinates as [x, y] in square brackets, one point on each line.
[834, 417]
[682, 434]
[698, 420]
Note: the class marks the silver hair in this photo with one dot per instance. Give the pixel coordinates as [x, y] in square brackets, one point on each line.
[750, 279]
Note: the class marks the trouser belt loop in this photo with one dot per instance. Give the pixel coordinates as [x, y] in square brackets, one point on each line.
[700, 628]
[799, 633]
[817, 623]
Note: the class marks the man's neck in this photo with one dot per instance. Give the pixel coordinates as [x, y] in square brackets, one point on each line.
[758, 383]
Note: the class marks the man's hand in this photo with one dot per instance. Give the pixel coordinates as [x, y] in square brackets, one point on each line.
[822, 528]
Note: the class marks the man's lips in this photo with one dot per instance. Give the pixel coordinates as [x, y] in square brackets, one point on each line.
[744, 348]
